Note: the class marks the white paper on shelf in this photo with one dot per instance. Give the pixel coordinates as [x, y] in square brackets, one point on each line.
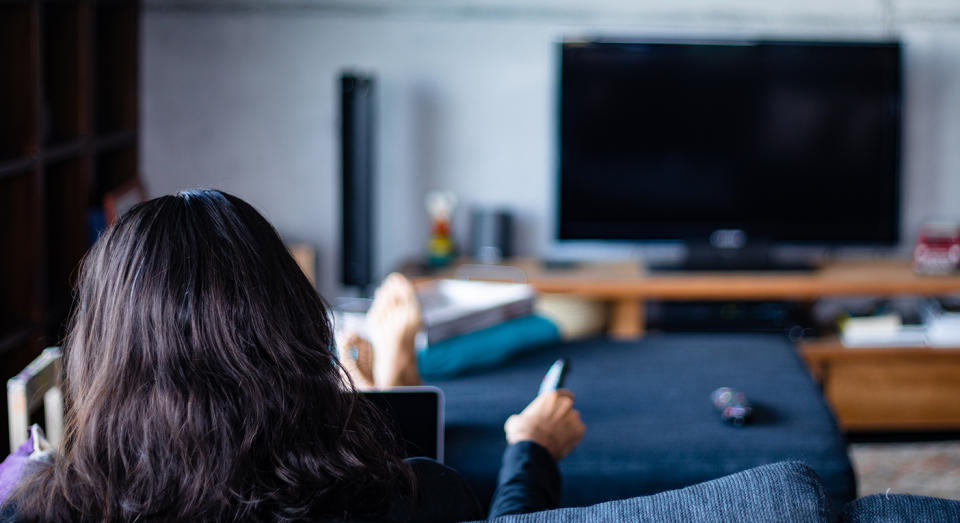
[905, 336]
[943, 334]
[943, 328]
[885, 324]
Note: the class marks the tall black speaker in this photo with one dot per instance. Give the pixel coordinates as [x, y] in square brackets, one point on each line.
[357, 180]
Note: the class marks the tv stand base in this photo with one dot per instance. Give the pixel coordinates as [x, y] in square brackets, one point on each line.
[701, 265]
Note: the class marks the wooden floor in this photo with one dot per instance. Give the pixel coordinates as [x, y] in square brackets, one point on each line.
[921, 468]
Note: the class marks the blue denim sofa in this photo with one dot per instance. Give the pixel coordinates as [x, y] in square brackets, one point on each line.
[781, 492]
[650, 424]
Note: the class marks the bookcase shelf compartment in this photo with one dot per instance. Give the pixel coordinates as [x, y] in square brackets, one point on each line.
[66, 236]
[114, 141]
[17, 167]
[68, 102]
[115, 67]
[18, 243]
[113, 169]
[18, 97]
[65, 151]
[64, 105]
[15, 339]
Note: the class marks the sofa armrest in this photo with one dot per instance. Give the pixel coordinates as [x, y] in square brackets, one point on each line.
[901, 507]
[787, 491]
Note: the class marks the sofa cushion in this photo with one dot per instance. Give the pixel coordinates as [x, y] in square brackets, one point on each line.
[786, 491]
[650, 424]
[901, 507]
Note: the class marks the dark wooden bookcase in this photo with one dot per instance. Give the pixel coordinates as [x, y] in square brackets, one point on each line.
[68, 133]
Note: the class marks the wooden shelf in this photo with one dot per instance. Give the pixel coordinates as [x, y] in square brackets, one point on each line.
[68, 132]
[832, 346]
[18, 90]
[65, 151]
[822, 352]
[114, 168]
[19, 246]
[17, 167]
[64, 61]
[66, 233]
[115, 71]
[114, 141]
[845, 278]
[840, 278]
[625, 286]
[14, 339]
[888, 388]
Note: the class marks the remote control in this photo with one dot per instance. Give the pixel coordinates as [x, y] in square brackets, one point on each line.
[732, 404]
[553, 380]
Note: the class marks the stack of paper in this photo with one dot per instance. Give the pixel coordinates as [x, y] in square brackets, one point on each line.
[455, 307]
[885, 330]
[451, 308]
[940, 328]
[943, 328]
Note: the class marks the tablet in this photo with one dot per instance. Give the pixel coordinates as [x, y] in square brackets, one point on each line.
[417, 415]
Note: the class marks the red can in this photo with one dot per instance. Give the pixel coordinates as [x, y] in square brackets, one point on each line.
[938, 248]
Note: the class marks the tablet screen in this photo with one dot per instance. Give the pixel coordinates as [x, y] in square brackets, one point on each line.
[417, 416]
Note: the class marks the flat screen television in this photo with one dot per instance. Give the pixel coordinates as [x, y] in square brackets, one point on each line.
[775, 142]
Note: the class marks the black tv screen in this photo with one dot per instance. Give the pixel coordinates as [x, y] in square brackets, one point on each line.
[789, 142]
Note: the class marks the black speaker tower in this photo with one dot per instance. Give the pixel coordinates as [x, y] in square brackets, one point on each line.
[357, 170]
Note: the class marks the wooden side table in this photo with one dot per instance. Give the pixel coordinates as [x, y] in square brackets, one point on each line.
[889, 388]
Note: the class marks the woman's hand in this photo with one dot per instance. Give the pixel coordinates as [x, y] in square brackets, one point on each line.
[550, 421]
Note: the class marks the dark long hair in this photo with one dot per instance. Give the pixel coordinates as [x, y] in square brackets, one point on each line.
[199, 384]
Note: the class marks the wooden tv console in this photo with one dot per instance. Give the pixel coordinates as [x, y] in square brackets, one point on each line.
[906, 388]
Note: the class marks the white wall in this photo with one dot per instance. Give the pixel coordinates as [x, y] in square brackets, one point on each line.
[240, 95]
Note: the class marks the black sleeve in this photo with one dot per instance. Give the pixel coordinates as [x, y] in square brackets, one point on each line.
[529, 481]
[442, 496]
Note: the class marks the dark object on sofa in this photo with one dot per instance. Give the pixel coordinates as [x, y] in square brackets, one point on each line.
[650, 424]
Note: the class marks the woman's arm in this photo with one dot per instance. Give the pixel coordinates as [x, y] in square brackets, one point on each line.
[540, 436]
[529, 481]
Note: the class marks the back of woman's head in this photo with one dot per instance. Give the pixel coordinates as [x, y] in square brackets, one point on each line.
[199, 384]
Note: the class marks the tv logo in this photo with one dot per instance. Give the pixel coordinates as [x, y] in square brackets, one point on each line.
[728, 239]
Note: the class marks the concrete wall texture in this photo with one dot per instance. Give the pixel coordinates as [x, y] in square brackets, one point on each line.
[241, 95]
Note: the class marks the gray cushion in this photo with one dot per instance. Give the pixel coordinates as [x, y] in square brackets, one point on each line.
[787, 491]
[901, 507]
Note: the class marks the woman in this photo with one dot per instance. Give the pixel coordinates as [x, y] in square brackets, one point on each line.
[199, 385]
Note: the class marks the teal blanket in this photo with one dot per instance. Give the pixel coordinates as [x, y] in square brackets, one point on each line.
[486, 348]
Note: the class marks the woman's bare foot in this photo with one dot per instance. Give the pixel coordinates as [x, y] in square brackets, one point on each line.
[393, 321]
[356, 358]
